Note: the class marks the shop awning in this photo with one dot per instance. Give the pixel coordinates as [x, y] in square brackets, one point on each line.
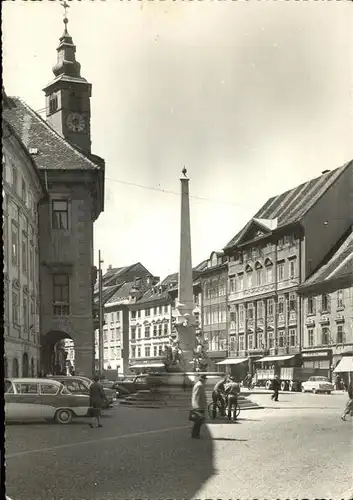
[274, 358]
[345, 365]
[232, 361]
[148, 365]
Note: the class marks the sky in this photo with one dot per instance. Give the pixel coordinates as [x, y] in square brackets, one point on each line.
[252, 97]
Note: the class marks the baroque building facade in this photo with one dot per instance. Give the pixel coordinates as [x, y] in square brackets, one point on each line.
[270, 258]
[22, 190]
[74, 180]
[328, 310]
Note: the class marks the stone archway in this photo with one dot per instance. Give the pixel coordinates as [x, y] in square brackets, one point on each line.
[54, 352]
[25, 365]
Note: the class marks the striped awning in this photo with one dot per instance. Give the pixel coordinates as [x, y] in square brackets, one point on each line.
[232, 361]
[345, 365]
[274, 358]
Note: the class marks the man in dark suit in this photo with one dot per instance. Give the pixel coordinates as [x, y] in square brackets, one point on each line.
[276, 385]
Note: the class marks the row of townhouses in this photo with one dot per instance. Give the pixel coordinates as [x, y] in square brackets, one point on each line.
[281, 291]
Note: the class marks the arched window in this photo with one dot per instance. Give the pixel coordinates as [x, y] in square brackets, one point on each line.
[15, 369]
[32, 367]
[5, 368]
[222, 286]
[25, 365]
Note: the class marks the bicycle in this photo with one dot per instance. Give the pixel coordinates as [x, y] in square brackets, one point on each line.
[216, 411]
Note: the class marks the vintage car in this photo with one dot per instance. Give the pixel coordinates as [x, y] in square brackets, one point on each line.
[42, 399]
[120, 391]
[317, 384]
[80, 385]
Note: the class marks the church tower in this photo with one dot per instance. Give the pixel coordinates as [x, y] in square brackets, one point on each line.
[68, 108]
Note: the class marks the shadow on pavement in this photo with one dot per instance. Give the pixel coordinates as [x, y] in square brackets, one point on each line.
[227, 439]
[223, 422]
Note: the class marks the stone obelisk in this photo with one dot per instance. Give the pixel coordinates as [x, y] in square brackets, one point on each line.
[185, 322]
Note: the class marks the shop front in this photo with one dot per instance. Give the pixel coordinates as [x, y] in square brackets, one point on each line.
[318, 358]
[237, 367]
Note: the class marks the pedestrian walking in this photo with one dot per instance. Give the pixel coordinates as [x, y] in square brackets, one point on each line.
[349, 406]
[199, 406]
[96, 400]
[232, 389]
[217, 395]
[276, 385]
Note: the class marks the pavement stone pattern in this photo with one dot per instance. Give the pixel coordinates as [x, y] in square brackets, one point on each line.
[300, 451]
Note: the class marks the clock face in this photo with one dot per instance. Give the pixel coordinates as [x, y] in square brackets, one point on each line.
[76, 122]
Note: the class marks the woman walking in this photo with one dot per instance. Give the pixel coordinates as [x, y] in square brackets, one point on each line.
[96, 400]
[199, 406]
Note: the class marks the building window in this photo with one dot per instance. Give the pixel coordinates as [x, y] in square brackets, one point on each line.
[105, 336]
[165, 328]
[160, 350]
[325, 335]
[232, 285]
[292, 269]
[280, 271]
[207, 315]
[280, 338]
[61, 294]
[311, 305]
[292, 302]
[260, 309]
[249, 275]
[222, 312]
[133, 352]
[250, 341]
[292, 337]
[155, 311]
[222, 286]
[53, 103]
[15, 308]
[147, 332]
[133, 314]
[147, 351]
[160, 330]
[310, 337]
[270, 307]
[139, 314]
[14, 178]
[25, 313]
[214, 314]
[14, 243]
[60, 214]
[271, 340]
[155, 351]
[24, 253]
[340, 304]
[138, 329]
[250, 311]
[269, 274]
[280, 305]
[340, 334]
[147, 312]
[113, 334]
[166, 309]
[241, 342]
[241, 313]
[260, 340]
[24, 191]
[259, 277]
[325, 303]
[139, 352]
[154, 330]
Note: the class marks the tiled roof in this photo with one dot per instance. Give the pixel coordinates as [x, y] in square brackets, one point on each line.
[121, 294]
[291, 206]
[106, 293]
[127, 273]
[340, 265]
[54, 152]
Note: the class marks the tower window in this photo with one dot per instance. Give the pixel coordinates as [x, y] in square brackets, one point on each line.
[60, 213]
[53, 103]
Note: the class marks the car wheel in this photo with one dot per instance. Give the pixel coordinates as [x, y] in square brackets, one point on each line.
[63, 416]
[314, 391]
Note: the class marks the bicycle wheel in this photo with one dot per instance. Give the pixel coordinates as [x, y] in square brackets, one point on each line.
[213, 411]
[237, 411]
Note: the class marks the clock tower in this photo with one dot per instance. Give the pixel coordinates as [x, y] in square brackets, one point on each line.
[68, 107]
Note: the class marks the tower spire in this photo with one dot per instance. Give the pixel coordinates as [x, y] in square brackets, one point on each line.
[67, 64]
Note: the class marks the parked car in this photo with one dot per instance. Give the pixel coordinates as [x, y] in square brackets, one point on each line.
[42, 399]
[134, 383]
[80, 385]
[317, 384]
[119, 390]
